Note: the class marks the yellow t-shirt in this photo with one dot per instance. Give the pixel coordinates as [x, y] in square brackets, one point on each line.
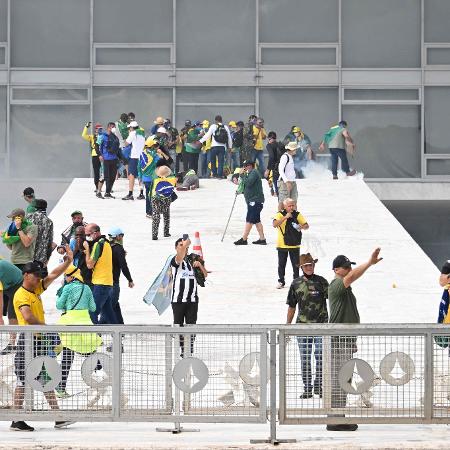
[102, 254]
[281, 229]
[1, 286]
[90, 138]
[259, 134]
[207, 145]
[23, 297]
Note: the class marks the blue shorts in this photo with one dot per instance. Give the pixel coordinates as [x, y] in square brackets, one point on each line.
[253, 212]
[133, 166]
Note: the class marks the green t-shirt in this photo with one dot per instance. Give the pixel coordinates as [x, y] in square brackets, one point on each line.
[10, 275]
[21, 254]
[343, 307]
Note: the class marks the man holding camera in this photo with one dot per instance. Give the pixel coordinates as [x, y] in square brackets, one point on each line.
[95, 153]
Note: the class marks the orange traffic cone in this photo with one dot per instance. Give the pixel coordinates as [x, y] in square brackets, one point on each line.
[197, 247]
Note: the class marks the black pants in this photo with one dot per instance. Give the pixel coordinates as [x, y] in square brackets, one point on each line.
[110, 169]
[160, 206]
[192, 161]
[178, 160]
[66, 364]
[185, 313]
[294, 255]
[96, 168]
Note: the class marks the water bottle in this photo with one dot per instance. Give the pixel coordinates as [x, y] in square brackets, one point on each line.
[296, 226]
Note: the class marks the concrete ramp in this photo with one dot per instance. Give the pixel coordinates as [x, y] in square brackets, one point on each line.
[344, 216]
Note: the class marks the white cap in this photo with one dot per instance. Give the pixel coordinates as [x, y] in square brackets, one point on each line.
[133, 124]
[161, 130]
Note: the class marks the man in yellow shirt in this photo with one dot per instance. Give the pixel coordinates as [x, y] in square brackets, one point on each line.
[95, 153]
[289, 224]
[259, 135]
[29, 311]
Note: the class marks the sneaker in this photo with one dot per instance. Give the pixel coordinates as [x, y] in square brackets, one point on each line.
[280, 285]
[10, 348]
[260, 242]
[318, 391]
[141, 196]
[241, 242]
[335, 177]
[99, 195]
[128, 197]
[193, 188]
[61, 393]
[306, 394]
[64, 423]
[20, 426]
[351, 173]
[154, 238]
[108, 196]
[149, 216]
[167, 235]
[342, 427]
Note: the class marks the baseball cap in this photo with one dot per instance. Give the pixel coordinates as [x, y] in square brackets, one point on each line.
[98, 125]
[205, 122]
[296, 129]
[197, 123]
[76, 213]
[133, 124]
[248, 163]
[115, 231]
[16, 212]
[73, 271]
[342, 261]
[28, 192]
[35, 267]
[161, 130]
[187, 123]
[232, 123]
[306, 258]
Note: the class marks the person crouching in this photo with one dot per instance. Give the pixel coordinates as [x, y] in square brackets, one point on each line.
[163, 188]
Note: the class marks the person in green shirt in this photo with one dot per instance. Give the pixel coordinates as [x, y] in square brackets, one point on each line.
[254, 197]
[343, 309]
[28, 195]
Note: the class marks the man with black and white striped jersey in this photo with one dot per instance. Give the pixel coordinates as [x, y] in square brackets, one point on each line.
[184, 293]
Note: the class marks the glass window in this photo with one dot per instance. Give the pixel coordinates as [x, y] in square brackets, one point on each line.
[46, 141]
[437, 56]
[438, 167]
[49, 94]
[437, 18]
[216, 95]
[2, 119]
[216, 34]
[311, 109]
[133, 21]
[3, 20]
[387, 140]
[209, 112]
[371, 28]
[298, 21]
[437, 112]
[132, 56]
[381, 94]
[298, 56]
[41, 35]
[146, 103]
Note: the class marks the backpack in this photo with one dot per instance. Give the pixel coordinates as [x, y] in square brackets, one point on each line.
[291, 235]
[163, 188]
[238, 138]
[113, 145]
[221, 135]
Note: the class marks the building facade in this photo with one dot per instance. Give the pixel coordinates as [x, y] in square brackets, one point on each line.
[384, 66]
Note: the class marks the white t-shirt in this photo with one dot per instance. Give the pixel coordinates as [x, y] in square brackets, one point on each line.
[286, 167]
[137, 144]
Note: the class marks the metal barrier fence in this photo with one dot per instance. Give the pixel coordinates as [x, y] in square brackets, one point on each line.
[323, 374]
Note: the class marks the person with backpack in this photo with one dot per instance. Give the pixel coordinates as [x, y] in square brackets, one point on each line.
[275, 150]
[220, 140]
[287, 186]
[162, 190]
[109, 150]
[289, 224]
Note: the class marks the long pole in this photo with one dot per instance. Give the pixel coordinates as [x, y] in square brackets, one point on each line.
[229, 217]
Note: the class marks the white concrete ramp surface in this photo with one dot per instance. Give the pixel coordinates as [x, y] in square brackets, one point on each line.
[344, 216]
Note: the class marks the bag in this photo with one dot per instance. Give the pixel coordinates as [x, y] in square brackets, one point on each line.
[221, 135]
[238, 138]
[443, 341]
[113, 145]
[126, 152]
[292, 236]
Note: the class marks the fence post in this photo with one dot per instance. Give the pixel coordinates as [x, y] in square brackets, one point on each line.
[428, 378]
[29, 350]
[117, 372]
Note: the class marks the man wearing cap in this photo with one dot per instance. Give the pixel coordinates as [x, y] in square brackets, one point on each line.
[28, 196]
[95, 153]
[137, 142]
[29, 311]
[259, 135]
[220, 140]
[99, 259]
[172, 138]
[44, 239]
[304, 150]
[343, 309]
[20, 238]
[254, 197]
[309, 293]
[69, 232]
[120, 265]
[337, 138]
[287, 186]
[205, 155]
[289, 224]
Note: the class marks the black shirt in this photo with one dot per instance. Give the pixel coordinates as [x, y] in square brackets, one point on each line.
[119, 263]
